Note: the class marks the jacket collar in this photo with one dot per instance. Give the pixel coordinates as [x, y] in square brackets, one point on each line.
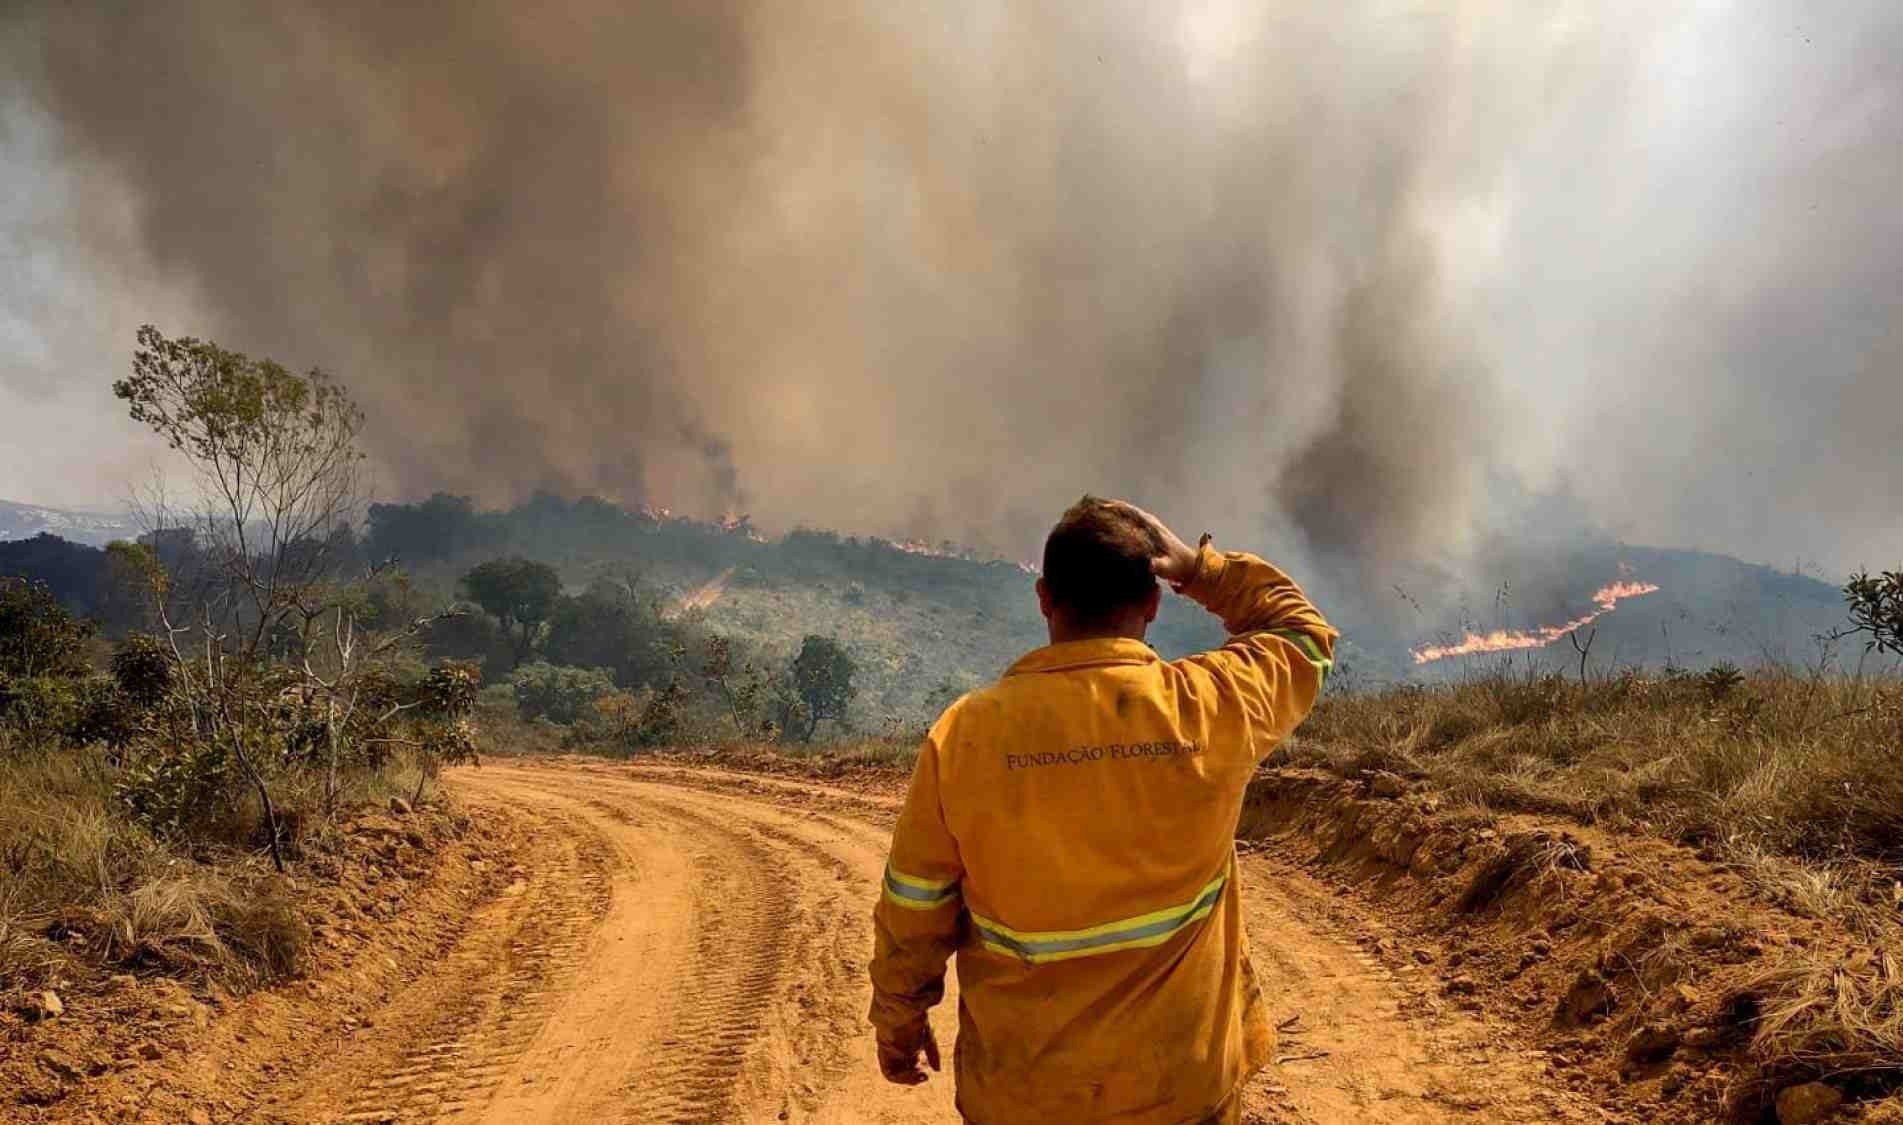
[1084, 654]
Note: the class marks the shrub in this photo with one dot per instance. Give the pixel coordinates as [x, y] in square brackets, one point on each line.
[1876, 609]
[171, 788]
[558, 693]
[37, 636]
[142, 669]
[47, 705]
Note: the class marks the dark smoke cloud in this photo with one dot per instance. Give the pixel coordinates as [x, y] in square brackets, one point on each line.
[1318, 272]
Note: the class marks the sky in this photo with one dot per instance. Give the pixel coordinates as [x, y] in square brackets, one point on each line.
[1376, 286]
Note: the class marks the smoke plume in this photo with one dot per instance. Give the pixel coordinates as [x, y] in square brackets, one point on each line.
[1309, 275]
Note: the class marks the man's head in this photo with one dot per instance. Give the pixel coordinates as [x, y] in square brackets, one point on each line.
[1097, 578]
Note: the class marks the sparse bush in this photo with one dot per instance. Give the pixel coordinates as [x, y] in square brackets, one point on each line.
[633, 720]
[1720, 681]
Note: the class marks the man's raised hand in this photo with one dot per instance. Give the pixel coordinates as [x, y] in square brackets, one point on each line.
[1177, 561]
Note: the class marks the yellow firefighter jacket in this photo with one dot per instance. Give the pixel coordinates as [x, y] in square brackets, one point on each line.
[1070, 834]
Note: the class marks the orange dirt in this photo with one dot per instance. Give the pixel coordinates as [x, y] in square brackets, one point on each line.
[678, 944]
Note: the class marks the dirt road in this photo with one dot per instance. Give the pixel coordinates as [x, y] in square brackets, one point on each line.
[689, 946]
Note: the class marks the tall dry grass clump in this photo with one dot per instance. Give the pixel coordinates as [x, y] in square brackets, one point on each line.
[1790, 780]
[87, 887]
[1842, 1018]
[1790, 764]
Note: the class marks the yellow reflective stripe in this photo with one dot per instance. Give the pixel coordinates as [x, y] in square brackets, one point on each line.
[1107, 927]
[1039, 957]
[1310, 648]
[915, 904]
[1141, 931]
[915, 893]
[914, 881]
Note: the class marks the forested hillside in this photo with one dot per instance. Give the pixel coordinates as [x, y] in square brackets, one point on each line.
[645, 590]
[923, 623]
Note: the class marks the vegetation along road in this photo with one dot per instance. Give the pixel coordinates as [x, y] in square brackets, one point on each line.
[689, 945]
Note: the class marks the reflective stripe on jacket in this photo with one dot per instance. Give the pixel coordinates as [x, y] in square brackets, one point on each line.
[1070, 835]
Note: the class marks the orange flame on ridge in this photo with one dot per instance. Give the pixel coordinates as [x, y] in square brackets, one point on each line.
[1607, 598]
[944, 550]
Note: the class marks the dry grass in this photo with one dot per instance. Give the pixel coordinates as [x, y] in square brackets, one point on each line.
[1839, 1019]
[84, 889]
[1789, 765]
[1791, 781]
[237, 922]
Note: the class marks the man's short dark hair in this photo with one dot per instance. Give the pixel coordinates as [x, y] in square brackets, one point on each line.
[1097, 560]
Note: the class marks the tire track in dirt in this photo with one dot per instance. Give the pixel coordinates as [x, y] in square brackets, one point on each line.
[690, 946]
[1358, 1044]
[691, 1076]
[761, 1015]
[521, 959]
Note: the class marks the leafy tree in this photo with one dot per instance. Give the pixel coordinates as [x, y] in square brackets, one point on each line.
[1876, 610]
[517, 592]
[37, 636]
[445, 735]
[142, 670]
[442, 527]
[474, 637]
[822, 679]
[559, 694]
[739, 684]
[610, 625]
[277, 460]
[281, 474]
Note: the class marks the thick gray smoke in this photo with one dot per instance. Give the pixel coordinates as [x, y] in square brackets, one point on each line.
[1318, 271]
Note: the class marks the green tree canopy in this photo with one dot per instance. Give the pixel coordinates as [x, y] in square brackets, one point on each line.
[822, 677]
[610, 625]
[558, 694]
[37, 636]
[517, 592]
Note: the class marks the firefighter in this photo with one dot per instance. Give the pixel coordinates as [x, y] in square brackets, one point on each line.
[1069, 833]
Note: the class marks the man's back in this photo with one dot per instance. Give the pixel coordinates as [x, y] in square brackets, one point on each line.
[1070, 832]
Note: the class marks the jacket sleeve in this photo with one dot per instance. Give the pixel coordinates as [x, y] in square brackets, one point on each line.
[1280, 650]
[919, 920]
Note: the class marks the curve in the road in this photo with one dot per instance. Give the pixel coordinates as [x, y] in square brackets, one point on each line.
[689, 946]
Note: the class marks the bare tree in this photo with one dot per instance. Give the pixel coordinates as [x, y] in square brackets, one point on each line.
[1583, 650]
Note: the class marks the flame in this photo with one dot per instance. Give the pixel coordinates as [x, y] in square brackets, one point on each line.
[944, 550]
[1607, 598]
[705, 595]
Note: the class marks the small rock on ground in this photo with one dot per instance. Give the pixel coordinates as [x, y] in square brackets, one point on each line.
[1811, 1102]
[1652, 1043]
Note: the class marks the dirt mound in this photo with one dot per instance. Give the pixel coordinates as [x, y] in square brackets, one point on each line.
[1639, 967]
